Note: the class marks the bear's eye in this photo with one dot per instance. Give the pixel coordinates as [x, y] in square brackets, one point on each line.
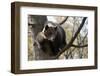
[46, 28]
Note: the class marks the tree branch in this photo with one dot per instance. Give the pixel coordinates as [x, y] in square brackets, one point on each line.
[73, 38]
[79, 46]
[63, 21]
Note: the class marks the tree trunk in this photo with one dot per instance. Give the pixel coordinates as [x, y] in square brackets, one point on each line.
[36, 23]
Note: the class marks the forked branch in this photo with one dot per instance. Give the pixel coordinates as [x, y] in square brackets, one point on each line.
[72, 39]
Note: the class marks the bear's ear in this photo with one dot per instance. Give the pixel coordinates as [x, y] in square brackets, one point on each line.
[46, 27]
[56, 28]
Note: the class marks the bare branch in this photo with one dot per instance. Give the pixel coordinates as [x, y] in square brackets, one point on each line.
[79, 46]
[73, 38]
[63, 21]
